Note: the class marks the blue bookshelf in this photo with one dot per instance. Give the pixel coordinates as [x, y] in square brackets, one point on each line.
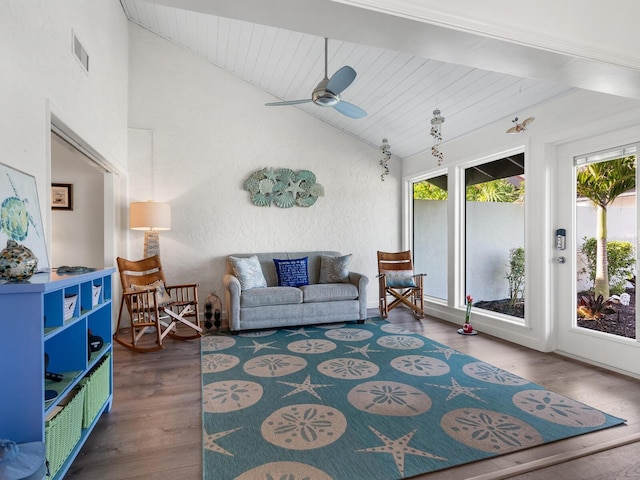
[51, 314]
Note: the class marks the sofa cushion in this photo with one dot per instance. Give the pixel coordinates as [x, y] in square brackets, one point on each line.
[293, 272]
[329, 292]
[248, 271]
[334, 269]
[270, 296]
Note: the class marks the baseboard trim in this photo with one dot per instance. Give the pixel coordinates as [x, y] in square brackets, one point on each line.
[557, 459]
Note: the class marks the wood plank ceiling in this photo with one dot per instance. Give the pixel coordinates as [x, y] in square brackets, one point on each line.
[399, 91]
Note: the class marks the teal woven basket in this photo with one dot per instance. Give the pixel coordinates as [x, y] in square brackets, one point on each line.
[96, 385]
[63, 431]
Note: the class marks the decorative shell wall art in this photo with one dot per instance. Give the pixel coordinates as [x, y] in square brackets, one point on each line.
[283, 187]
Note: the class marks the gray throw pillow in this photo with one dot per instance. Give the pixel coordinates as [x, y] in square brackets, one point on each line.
[248, 271]
[334, 269]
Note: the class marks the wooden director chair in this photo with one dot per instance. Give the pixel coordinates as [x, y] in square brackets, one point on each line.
[398, 281]
[154, 307]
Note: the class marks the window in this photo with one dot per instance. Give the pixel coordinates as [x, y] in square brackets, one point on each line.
[494, 235]
[606, 239]
[430, 234]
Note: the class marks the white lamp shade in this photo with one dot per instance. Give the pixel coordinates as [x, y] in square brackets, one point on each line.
[149, 216]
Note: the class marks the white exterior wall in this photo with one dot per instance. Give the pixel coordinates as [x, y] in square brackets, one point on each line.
[209, 132]
[496, 227]
[431, 245]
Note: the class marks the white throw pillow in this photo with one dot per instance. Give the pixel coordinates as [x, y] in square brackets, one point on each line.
[248, 271]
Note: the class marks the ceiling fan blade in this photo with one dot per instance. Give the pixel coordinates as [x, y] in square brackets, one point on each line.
[341, 80]
[288, 102]
[349, 109]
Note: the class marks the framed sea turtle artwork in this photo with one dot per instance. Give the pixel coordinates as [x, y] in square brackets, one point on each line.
[20, 217]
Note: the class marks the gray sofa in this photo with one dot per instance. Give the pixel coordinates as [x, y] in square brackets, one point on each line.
[283, 306]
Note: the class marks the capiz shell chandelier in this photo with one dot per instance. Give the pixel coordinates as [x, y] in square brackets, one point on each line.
[436, 133]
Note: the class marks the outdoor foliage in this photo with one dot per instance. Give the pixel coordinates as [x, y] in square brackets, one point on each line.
[515, 275]
[428, 191]
[620, 266]
[602, 183]
[594, 308]
[494, 191]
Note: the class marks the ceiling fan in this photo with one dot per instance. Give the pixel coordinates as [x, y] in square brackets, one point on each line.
[520, 127]
[327, 93]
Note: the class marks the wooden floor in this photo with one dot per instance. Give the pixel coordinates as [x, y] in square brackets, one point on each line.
[154, 430]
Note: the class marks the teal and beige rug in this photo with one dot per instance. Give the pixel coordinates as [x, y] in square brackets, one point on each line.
[363, 402]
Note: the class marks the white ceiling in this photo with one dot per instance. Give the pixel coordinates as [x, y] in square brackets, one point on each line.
[398, 90]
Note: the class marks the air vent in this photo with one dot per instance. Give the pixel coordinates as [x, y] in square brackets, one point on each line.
[80, 53]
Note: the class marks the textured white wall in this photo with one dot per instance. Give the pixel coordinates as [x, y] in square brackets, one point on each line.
[40, 76]
[206, 131]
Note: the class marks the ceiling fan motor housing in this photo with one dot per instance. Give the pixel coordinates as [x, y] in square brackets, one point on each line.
[323, 97]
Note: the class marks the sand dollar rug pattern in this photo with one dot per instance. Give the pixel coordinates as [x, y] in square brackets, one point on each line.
[362, 402]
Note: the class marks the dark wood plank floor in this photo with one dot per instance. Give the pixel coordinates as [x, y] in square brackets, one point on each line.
[154, 429]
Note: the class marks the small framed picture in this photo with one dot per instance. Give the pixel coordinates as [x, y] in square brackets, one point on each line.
[62, 196]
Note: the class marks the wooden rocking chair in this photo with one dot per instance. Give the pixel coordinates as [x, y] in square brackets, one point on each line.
[397, 280]
[154, 307]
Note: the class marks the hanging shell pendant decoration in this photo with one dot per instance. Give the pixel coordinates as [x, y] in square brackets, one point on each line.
[283, 187]
[17, 262]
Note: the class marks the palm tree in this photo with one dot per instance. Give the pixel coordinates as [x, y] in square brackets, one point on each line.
[602, 183]
[500, 190]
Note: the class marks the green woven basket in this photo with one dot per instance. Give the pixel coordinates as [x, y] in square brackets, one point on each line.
[97, 390]
[63, 431]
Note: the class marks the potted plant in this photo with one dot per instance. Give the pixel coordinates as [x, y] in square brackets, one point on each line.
[467, 328]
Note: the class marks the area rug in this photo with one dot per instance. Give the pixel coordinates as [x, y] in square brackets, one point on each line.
[366, 401]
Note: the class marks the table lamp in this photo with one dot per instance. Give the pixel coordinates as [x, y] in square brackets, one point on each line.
[151, 217]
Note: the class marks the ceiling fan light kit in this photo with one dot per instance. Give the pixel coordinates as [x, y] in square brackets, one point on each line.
[327, 93]
[520, 127]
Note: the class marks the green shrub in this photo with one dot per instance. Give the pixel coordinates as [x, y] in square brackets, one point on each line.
[515, 275]
[621, 260]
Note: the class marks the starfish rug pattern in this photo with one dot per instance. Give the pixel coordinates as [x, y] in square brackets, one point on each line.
[366, 401]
